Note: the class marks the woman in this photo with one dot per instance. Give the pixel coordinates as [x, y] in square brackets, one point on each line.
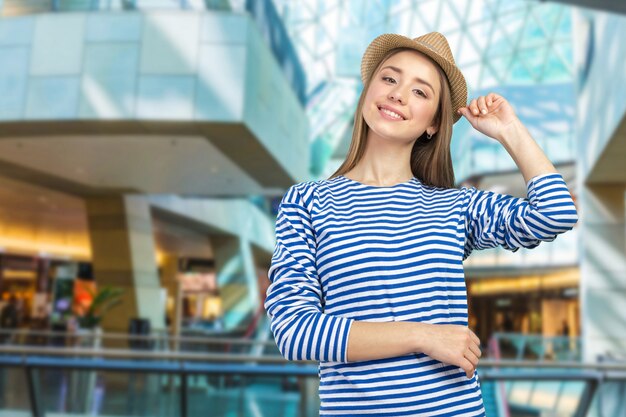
[367, 274]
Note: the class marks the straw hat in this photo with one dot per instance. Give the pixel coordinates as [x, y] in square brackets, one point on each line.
[432, 44]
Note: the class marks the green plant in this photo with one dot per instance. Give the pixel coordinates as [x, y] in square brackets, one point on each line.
[103, 300]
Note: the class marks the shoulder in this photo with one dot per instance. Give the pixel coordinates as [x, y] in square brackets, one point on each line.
[446, 193]
[312, 193]
[303, 193]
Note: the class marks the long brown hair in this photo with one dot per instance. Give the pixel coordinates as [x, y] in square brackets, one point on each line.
[431, 161]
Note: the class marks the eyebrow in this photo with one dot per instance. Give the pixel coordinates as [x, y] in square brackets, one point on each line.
[418, 79]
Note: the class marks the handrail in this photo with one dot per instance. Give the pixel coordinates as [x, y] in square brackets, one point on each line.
[137, 354]
[593, 374]
[521, 341]
[125, 336]
[164, 367]
[183, 370]
[308, 369]
[223, 340]
[143, 354]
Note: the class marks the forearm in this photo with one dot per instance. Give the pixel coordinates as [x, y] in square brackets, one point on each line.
[525, 151]
[376, 340]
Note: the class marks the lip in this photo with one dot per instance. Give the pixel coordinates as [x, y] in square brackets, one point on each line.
[384, 106]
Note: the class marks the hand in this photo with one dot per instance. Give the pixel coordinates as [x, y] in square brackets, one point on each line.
[453, 344]
[491, 115]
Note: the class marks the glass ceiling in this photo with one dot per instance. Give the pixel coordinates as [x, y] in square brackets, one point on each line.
[520, 49]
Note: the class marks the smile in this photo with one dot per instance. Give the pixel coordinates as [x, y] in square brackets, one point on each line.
[389, 114]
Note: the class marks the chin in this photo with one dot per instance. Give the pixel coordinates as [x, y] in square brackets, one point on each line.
[390, 135]
[385, 128]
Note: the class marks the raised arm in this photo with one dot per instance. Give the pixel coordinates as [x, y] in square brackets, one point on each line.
[493, 116]
[494, 219]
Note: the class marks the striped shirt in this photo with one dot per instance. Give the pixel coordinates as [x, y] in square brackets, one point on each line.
[348, 251]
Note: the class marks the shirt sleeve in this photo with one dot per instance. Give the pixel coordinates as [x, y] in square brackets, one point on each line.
[294, 297]
[493, 219]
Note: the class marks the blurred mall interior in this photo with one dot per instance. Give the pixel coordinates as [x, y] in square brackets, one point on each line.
[145, 146]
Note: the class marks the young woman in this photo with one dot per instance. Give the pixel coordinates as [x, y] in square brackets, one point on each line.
[367, 275]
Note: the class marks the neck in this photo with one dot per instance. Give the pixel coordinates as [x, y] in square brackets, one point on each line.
[385, 161]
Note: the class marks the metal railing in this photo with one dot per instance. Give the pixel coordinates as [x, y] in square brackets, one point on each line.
[538, 347]
[535, 347]
[156, 341]
[33, 361]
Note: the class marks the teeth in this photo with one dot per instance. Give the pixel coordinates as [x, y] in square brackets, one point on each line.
[390, 113]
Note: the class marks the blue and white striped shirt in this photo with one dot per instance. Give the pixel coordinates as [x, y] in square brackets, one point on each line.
[348, 251]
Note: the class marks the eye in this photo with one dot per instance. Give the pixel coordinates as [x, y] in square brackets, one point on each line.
[421, 93]
[389, 79]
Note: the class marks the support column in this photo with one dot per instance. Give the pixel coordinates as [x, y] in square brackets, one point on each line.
[169, 271]
[123, 255]
[236, 278]
[603, 270]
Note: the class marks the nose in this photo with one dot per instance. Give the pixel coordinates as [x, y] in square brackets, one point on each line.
[396, 96]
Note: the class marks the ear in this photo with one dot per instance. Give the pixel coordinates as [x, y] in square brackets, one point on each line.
[431, 130]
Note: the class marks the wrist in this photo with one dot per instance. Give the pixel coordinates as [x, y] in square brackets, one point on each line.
[513, 132]
[419, 336]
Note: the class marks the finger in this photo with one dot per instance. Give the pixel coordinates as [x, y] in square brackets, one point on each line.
[495, 97]
[465, 111]
[467, 367]
[470, 356]
[491, 97]
[476, 350]
[474, 107]
[482, 105]
[475, 338]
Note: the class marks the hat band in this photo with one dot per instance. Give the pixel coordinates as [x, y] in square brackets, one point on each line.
[428, 45]
[432, 48]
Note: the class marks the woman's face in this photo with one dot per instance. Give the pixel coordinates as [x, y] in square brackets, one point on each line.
[402, 98]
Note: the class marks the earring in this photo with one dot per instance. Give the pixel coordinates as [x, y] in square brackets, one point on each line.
[429, 136]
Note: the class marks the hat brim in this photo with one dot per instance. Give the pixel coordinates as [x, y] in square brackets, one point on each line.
[379, 47]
